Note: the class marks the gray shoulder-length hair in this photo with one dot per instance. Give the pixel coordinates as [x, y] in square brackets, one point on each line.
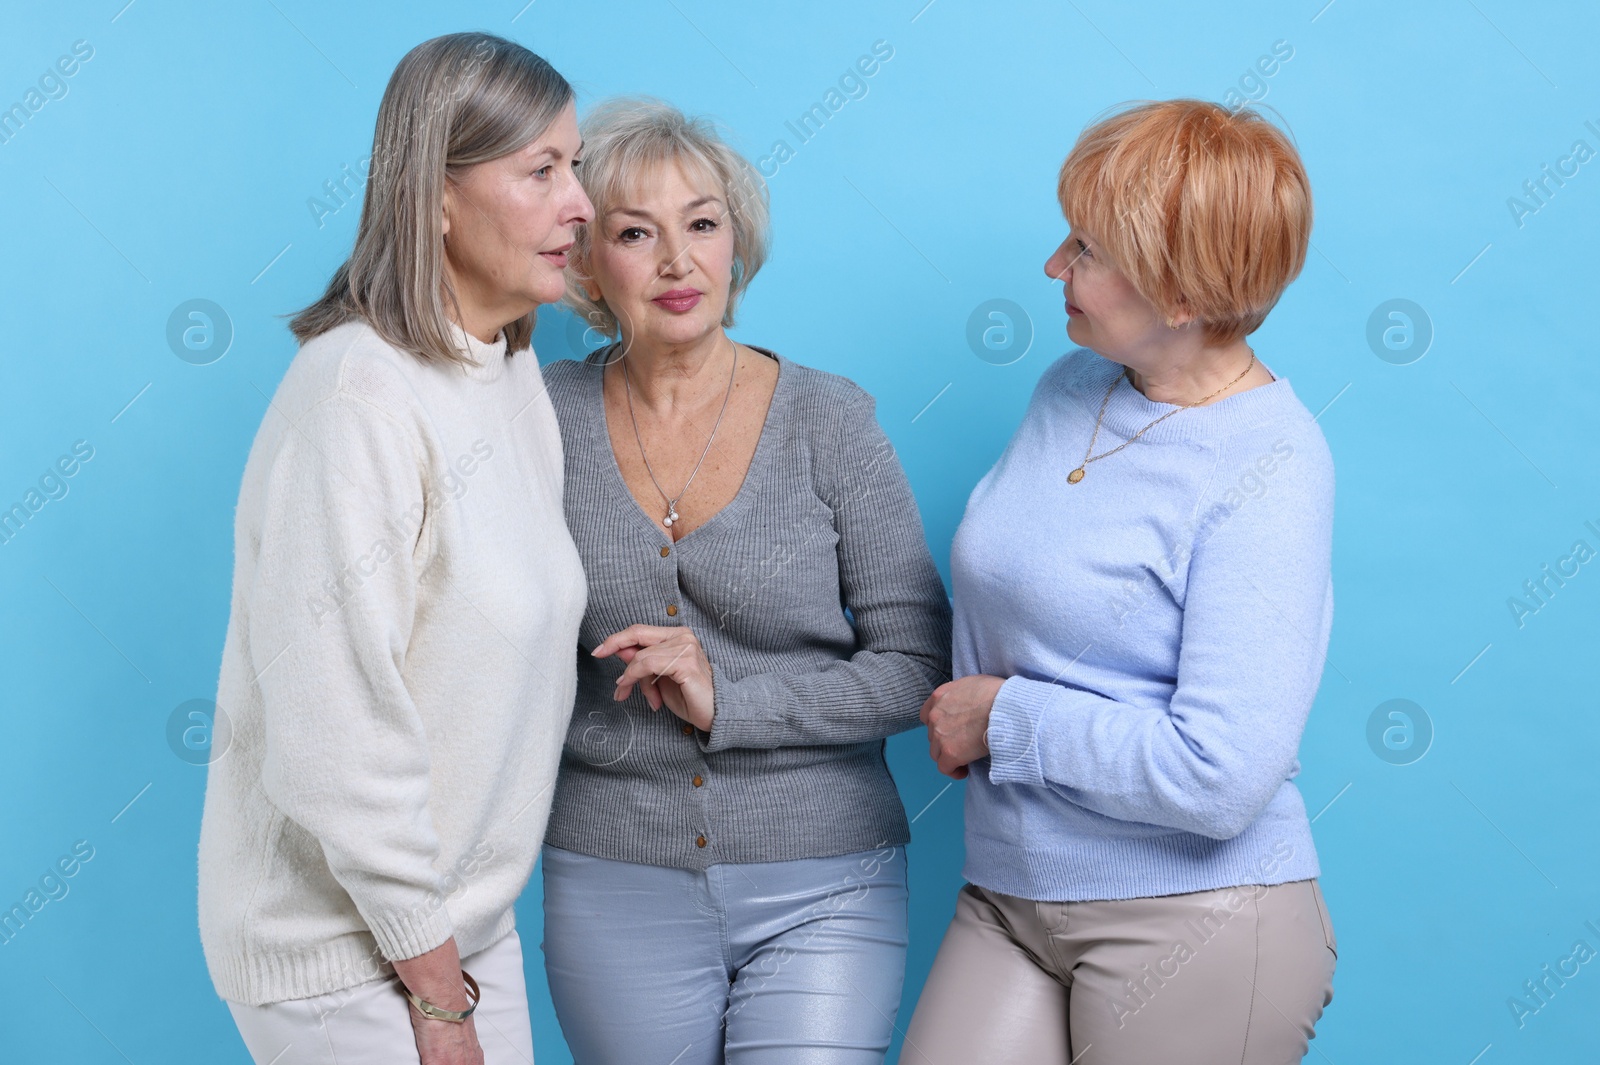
[625, 139]
[453, 101]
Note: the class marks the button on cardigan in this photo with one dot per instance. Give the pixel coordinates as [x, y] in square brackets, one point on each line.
[818, 606]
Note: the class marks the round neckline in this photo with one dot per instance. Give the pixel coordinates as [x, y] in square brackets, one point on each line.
[1130, 410]
[486, 362]
[600, 440]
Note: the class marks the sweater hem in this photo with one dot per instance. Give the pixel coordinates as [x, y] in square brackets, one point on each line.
[256, 978]
[1129, 869]
[742, 853]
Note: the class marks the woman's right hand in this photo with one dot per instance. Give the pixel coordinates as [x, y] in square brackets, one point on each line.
[435, 977]
[444, 1042]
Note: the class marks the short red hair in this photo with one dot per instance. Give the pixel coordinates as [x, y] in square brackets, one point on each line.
[1201, 208]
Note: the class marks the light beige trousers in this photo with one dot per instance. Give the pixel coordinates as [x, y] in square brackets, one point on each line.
[1233, 976]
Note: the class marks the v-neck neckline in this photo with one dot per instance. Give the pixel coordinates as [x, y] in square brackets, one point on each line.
[600, 435]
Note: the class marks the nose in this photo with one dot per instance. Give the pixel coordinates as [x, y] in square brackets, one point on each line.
[1059, 267]
[578, 208]
[584, 207]
[674, 255]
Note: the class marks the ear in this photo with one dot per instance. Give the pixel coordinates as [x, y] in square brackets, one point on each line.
[588, 283]
[1180, 315]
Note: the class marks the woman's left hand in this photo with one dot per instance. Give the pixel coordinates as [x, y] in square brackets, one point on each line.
[669, 667]
[957, 716]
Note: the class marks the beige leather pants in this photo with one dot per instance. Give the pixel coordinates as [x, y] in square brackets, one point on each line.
[1234, 976]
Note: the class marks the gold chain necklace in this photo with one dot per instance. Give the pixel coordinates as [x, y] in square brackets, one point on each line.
[1088, 456]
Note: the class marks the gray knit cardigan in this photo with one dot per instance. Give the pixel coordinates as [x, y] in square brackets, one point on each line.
[819, 609]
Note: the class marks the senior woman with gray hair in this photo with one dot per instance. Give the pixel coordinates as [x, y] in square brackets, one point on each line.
[725, 881]
[398, 671]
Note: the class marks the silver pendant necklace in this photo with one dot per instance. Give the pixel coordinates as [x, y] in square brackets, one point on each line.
[672, 501]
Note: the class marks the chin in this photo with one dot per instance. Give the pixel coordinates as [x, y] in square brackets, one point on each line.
[548, 292]
[684, 330]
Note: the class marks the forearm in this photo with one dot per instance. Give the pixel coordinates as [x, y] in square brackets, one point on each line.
[435, 976]
[871, 696]
[1153, 765]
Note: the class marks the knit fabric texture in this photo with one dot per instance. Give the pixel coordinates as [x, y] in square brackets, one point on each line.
[818, 606]
[1161, 625]
[397, 676]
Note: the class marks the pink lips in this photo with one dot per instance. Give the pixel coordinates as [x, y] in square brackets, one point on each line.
[558, 257]
[1073, 310]
[678, 300]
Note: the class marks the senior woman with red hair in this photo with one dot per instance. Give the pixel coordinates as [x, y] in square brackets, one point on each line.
[1142, 608]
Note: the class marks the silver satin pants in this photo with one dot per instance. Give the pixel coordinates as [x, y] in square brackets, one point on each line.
[756, 963]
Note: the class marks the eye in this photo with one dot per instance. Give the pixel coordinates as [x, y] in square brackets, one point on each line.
[703, 225]
[1083, 249]
[543, 172]
[632, 233]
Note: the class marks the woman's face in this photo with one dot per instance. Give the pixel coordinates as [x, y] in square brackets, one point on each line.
[509, 222]
[662, 259]
[1105, 313]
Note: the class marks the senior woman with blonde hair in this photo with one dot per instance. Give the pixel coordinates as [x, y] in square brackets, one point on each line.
[398, 672]
[725, 880]
[1143, 602]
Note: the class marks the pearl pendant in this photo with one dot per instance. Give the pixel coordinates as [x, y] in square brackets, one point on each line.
[1075, 476]
[672, 516]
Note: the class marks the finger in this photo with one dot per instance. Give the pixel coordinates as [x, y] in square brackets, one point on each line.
[632, 636]
[637, 670]
[672, 697]
[680, 661]
[644, 667]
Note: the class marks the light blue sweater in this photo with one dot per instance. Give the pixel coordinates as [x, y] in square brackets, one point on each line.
[1162, 626]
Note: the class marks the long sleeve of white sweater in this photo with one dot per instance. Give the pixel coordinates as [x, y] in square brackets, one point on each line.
[398, 672]
[347, 483]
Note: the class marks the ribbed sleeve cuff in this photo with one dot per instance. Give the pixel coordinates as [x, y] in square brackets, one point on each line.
[744, 716]
[403, 934]
[1013, 732]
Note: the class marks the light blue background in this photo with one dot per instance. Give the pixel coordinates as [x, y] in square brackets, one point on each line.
[179, 166]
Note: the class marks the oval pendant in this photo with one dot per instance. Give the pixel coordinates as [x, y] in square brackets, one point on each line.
[667, 522]
[1075, 476]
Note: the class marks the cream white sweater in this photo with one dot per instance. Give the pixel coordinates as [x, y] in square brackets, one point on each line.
[399, 668]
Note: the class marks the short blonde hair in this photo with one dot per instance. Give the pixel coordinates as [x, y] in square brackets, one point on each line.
[1201, 208]
[623, 140]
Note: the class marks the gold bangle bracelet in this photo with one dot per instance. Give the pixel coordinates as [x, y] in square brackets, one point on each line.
[428, 1009]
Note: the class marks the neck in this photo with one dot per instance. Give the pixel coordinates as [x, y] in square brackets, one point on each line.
[482, 314]
[1189, 377]
[665, 375]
